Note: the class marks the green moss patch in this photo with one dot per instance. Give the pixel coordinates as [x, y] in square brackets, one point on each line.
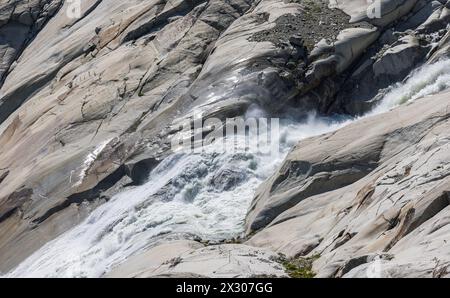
[300, 267]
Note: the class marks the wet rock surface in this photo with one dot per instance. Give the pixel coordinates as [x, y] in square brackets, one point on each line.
[393, 189]
[89, 106]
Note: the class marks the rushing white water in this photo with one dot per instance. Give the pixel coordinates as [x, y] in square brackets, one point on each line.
[205, 195]
[426, 80]
[90, 159]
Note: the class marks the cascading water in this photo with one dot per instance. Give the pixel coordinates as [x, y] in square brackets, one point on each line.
[426, 80]
[203, 195]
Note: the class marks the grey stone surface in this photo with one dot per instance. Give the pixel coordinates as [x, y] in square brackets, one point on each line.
[20, 21]
[383, 196]
[409, 43]
[89, 105]
[190, 259]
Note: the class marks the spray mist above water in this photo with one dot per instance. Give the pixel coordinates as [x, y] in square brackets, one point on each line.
[426, 80]
[193, 195]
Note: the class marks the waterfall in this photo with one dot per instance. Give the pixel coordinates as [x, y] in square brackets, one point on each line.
[426, 80]
[181, 198]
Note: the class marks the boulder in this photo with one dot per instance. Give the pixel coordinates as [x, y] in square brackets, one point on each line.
[379, 13]
[396, 62]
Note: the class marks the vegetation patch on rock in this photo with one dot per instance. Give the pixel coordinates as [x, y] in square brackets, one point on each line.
[299, 267]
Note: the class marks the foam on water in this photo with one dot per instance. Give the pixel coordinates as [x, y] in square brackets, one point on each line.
[426, 80]
[180, 198]
[203, 195]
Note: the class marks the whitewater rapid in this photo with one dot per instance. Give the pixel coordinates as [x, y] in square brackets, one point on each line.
[426, 80]
[181, 198]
